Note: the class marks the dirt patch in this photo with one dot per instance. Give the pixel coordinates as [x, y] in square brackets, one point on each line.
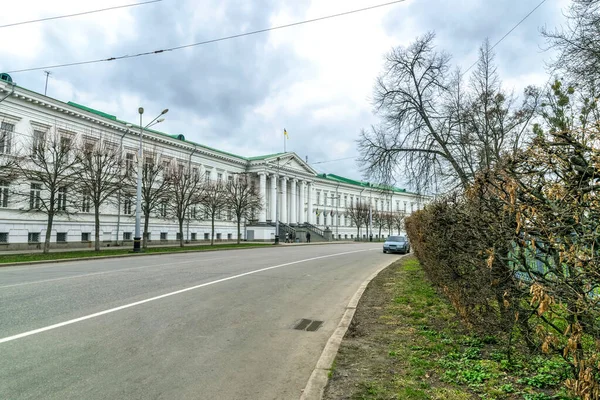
[406, 342]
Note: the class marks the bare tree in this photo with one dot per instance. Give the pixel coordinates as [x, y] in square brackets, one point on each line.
[578, 44]
[434, 126]
[155, 187]
[48, 169]
[97, 171]
[378, 220]
[399, 220]
[243, 199]
[185, 189]
[214, 201]
[359, 214]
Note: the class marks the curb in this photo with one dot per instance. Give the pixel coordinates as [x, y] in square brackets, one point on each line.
[320, 376]
[160, 253]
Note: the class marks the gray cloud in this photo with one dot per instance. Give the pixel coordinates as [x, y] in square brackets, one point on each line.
[212, 90]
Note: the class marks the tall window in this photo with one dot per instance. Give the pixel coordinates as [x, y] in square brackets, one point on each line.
[219, 177]
[62, 198]
[163, 209]
[193, 212]
[397, 205]
[318, 198]
[345, 201]
[128, 163]
[127, 205]
[65, 143]
[195, 172]
[86, 203]
[35, 196]
[230, 179]
[207, 176]
[37, 147]
[6, 132]
[4, 194]
[405, 207]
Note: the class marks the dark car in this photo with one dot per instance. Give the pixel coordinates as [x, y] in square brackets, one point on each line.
[396, 244]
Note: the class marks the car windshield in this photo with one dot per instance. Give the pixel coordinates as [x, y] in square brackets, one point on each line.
[396, 239]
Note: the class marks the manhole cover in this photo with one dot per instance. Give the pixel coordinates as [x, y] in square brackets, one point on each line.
[308, 325]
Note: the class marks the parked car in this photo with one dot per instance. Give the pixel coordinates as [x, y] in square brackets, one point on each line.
[396, 244]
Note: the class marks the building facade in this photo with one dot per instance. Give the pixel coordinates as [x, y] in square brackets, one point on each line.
[292, 192]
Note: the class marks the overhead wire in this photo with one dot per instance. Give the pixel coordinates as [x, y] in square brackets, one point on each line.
[79, 14]
[185, 46]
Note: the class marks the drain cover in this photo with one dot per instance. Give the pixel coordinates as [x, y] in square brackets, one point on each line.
[308, 325]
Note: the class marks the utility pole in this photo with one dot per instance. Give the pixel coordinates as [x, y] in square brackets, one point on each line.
[48, 73]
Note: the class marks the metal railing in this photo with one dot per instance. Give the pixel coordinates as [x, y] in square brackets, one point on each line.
[314, 229]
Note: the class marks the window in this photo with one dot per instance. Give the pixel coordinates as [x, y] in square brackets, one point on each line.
[127, 205]
[219, 177]
[318, 219]
[195, 173]
[194, 237]
[193, 212]
[166, 164]
[3, 194]
[61, 237]
[178, 236]
[397, 205]
[219, 214]
[149, 161]
[163, 236]
[230, 215]
[180, 168]
[3, 237]
[206, 236]
[229, 236]
[126, 235]
[405, 207]
[62, 198]
[218, 236]
[128, 164]
[88, 147]
[149, 236]
[6, 131]
[230, 179]
[163, 209]
[33, 237]
[318, 198]
[345, 201]
[37, 148]
[34, 196]
[86, 203]
[85, 236]
[339, 220]
[412, 207]
[65, 144]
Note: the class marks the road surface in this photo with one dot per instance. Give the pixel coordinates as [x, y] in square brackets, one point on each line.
[215, 325]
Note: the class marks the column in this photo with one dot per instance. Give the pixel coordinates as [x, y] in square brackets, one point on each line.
[262, 216]
[283, 208]
[273, 204]
[302, 215]
[309, 213]
[293, 205]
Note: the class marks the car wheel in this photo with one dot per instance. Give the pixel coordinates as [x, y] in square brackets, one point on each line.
[384, 252]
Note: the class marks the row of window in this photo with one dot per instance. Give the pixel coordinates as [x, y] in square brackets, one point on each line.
[61, 237]
[379, 204]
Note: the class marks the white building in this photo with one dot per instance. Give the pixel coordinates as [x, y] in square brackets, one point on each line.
[307, 200]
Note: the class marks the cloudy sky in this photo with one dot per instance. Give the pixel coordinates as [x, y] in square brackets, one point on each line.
[315, 80]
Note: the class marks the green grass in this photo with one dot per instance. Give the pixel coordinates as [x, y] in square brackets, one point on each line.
[63, 255]
[417, 335]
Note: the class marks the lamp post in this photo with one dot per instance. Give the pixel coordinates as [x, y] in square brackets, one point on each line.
[277, 183]
[138, 208]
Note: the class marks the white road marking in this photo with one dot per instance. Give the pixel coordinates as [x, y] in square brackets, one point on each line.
[112, 271]
[162, 296]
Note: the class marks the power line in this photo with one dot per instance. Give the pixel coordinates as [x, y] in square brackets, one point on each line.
[78, 14]
[508, 33]
[328, 161]
[147, 53]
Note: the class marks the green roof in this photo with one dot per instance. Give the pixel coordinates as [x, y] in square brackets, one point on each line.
[91, 110]
[341, 179]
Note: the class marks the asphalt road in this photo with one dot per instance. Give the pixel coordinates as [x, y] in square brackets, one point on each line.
[215, 325]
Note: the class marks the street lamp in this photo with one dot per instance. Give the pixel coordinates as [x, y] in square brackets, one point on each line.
[138, 209]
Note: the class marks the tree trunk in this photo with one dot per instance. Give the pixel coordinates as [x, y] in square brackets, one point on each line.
[97, 228]
[181, 232]
[212, 230]
[239, 223]
[48, 232]
[145, 234]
